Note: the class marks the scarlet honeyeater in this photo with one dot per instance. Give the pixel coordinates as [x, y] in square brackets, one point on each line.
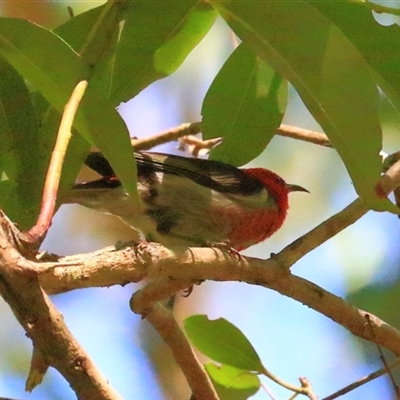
[191, 201]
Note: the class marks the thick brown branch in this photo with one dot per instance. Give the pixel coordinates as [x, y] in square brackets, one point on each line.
[44, 325]
[213, 264]
[98, 269]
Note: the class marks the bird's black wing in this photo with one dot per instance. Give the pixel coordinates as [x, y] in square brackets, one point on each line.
[215, 175]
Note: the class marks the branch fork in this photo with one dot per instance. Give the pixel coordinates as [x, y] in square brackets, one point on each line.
[169, 274]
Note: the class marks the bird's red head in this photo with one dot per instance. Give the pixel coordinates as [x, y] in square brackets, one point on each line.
[262, 224]
[274, 184]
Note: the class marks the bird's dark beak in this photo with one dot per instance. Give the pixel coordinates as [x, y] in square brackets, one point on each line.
[295, 188]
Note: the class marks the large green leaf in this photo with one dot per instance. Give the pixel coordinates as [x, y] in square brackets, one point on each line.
[106, 127]
[18, 146]
[328, 72]
[76, 32]
[155, 40]
[41, 57]
[222, 342]
[54, 74]
[110, 135]
[379, 48]
[26, 47]
[244, 105]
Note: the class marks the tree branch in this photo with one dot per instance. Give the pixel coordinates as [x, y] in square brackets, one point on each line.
[145, 302]
[167, 136]
[44, 325]
[363, 381]
[173, 272]
[306, 135]
[154, 261]
[193, 128]
[198, 264]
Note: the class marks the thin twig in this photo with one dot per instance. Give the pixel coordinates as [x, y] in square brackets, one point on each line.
[193, 128]
[320, 234]
[286, 385]
[7, 398]
[363, 381]
[306, 135]
[335, 224]
[268, 391]
[306, 385]
[382, 356]
[167, 136]
[196, 146]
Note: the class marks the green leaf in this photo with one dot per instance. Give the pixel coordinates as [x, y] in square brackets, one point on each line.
[54, 74]
[76, 31]
[106, 127]
[232, 383]
[111, 136]
[379, 47]
[19, 142]
[41, 57]
[26, 46]
[155, 40]
[244, 105]
[15, 206]
[328, 72]
[222, 342]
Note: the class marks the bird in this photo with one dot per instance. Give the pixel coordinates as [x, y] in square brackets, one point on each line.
[190, 202]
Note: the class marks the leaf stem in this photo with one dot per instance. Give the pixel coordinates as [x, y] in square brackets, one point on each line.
[38, 232]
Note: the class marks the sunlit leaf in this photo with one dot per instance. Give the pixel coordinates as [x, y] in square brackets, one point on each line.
[233, 383]
[156, 39]
[222, 342]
